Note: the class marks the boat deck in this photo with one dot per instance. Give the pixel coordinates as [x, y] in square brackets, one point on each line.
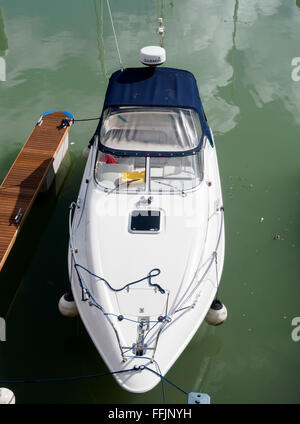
[26, 176]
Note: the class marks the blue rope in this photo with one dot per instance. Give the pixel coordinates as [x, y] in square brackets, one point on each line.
[153, 273]
[84, 290]
[90, 296]
[55, 379]
[155, 372]
[169, 381]
[162, 382]
[83, 120]
[158, 374]
[83, 377]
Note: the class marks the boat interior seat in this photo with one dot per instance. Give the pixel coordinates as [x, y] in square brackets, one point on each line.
[157, 172]
[178, 172]
[126, 160]
[113, 171]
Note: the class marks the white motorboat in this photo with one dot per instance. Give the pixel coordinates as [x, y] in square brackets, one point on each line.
[146, 233]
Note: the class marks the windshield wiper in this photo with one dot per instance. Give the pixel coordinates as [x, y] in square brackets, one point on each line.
[120, 184]
[182, 192]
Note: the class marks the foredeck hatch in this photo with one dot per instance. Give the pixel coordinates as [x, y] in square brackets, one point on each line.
[145, 221]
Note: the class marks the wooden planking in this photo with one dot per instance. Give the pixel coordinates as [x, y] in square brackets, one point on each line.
[25, 177]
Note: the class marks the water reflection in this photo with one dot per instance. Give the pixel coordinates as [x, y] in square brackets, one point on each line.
[100, 39]
[298, 3]
[160, 9]
[211, 345]
[203, 49]
[267, 65]
[235, 19]
[3, 48]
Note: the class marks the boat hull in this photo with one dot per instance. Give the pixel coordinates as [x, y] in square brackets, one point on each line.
[189, 253]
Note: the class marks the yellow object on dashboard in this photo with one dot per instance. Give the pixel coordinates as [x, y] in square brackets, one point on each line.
[135, 175]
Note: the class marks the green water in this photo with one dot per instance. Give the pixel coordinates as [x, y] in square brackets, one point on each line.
[59, 55]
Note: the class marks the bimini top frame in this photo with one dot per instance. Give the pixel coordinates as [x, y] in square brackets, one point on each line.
[155, 87]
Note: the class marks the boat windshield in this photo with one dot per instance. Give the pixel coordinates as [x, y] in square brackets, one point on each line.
[150, 129]
[152, 174]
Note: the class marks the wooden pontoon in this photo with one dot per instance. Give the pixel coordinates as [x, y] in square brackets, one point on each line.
[33, 170]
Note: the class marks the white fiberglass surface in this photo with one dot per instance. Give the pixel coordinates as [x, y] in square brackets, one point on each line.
[150, 129]
[166, 174]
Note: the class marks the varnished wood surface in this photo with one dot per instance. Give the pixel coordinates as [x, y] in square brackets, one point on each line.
[25, 177]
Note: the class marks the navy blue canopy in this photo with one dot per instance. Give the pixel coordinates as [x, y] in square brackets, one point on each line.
[155, 86]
